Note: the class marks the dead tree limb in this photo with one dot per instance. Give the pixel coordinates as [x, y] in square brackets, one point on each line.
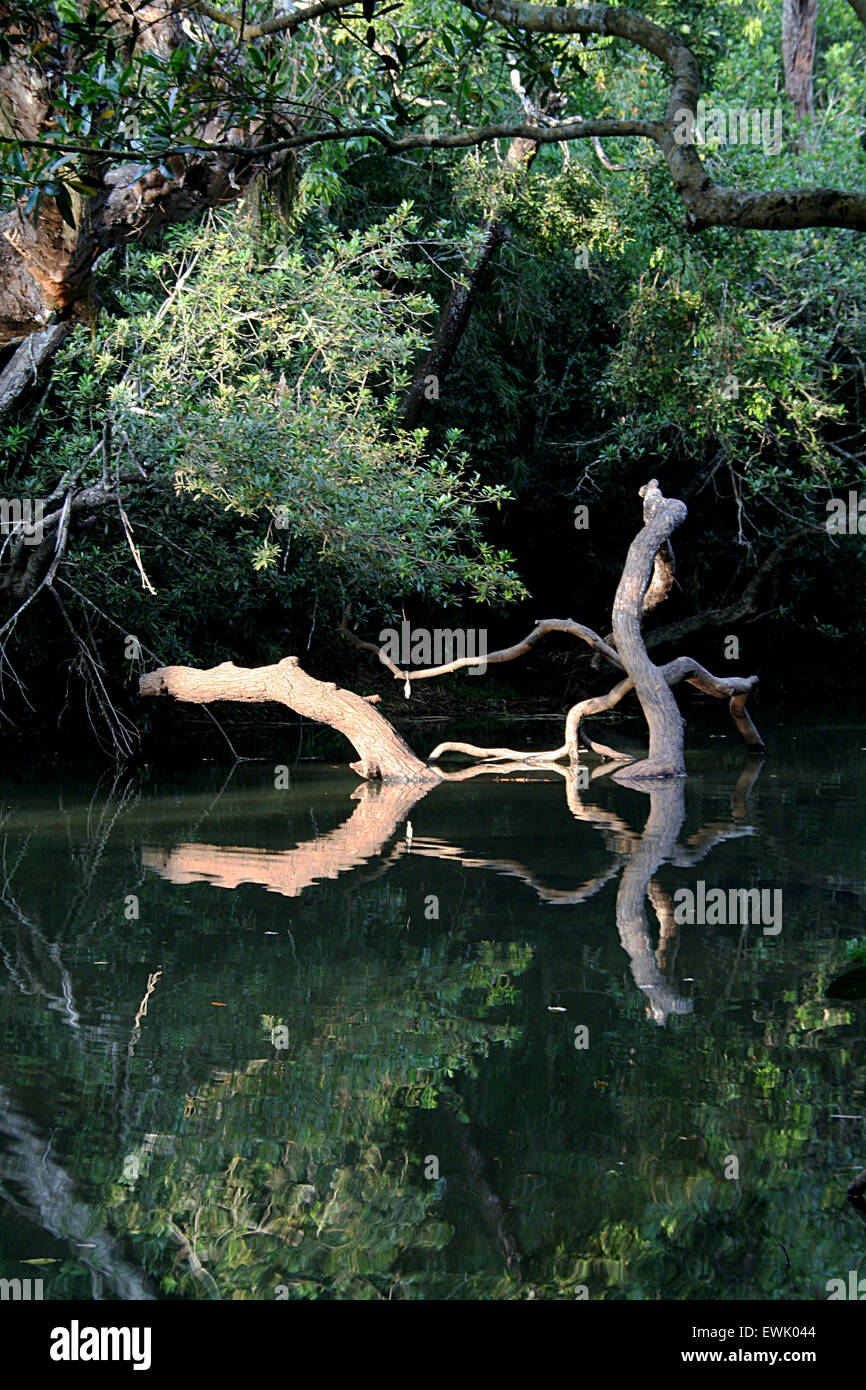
[21, 372]
[661, 516]
[381, 750]
[383, 753]
[646, 581]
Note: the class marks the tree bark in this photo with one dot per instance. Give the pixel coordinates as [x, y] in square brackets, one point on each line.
[45, 269]
[661, 516]
[452, 325]
[21, 372]
[382, 752]
[45, 266]
[799, 18]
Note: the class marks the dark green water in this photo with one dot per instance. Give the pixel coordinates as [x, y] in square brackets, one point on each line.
[261, 1043]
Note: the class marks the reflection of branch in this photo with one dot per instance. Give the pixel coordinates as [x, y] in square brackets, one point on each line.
[111, 809]
[635, 857]
[716, 832]
[54, 1205]
[27, 970]
[152, 981]
[63, 1002]
[196, 1268]
[430, 848]
[381, 809]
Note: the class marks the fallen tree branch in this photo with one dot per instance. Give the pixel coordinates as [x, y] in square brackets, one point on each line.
[647, 572]
[382, 752]
[543, 628]
[21, 372]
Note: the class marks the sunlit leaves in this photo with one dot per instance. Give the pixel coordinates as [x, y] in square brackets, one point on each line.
[273, 389]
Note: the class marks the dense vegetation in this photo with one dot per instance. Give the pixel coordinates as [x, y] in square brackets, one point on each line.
[236, 389]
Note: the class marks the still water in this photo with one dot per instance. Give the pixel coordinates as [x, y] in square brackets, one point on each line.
[334, 1040]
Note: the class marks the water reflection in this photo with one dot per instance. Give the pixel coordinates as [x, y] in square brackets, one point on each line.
[48, 1198]
[376, 818]
[636, 855]
[303, 1088]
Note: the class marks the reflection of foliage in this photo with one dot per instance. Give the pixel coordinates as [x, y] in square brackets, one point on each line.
[234, 1167]
[856, 951]
[325, 1202]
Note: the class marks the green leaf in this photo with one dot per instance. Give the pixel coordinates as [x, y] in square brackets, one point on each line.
[64, 205]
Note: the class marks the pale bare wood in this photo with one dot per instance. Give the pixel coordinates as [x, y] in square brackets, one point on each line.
[383, 753]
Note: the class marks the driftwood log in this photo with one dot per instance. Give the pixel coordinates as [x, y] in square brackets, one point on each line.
[647, 579]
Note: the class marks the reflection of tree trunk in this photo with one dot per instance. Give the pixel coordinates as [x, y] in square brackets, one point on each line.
[654, 847]
[54, 1206]
[383, 753]
[637, 856]
[380, 811]
[497, 1216]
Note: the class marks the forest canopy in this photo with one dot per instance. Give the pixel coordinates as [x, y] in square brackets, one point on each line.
[323, 307]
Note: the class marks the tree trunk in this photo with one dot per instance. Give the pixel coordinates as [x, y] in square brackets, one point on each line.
[452, 325]
[461, 301]
[661, 516]
[798, 53]
[381, 750]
